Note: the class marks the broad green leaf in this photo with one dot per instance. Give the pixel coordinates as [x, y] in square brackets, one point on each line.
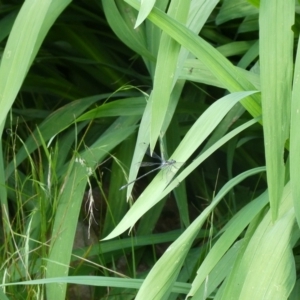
[32, 23]
[233, 9]
[276, 257]
[294, 137]
[146, 6]
[165, 71]
[121, 19]
[195, 70]
[142, 143]
[198, 15]
[235, 48]
[192, 140]
[250, 24]
[29, 30]
[249, 57]
[220, 67]
[218, 273]
[267, 263]
[76, 176]
[162, 276]
[232, 231]
[170, 60]
[276, 69]
[124, 107]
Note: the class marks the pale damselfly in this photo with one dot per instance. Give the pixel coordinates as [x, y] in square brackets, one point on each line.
[162, 165]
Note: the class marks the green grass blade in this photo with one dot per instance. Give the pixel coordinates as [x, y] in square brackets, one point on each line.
[121, 19]
[195, 70]
[53, 125]
[163, 275]
[165, 72]
[146, 6]
[140, 147]
[234, 9]
[276, 55]
[232, 231]
[66, 218]
[220, 67]
[99, 281]
[153, 35]
[205, 155]
[3, 192]
[64, 228]
[32, 23]
[266, 250]
[250, 56]
[198, 15]
[29, 29]
[218, 273]
[124, 107]
[117, 206]
[279, 274]
[170, 61]
[196, 135]
[294, 137]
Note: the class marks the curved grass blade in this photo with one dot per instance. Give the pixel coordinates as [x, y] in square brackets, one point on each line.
[220, 67]
[162, 276]
[294, 137]
[196, 135]
[146, 7]
[121, 19]
[276, 69]
[76, 175]
[233, 230]
[269, 246]
[165, 71]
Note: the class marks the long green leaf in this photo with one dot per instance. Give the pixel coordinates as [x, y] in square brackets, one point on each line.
[276, 64]
[165, 71]
[233, 9]
[55, 123]
[66, 217]
[267, 263]
[32, 23]
[193, 139]
[232, 231]
[146, 6]
[163, 275]
[294, 137]
[220, 67]
[29, 30]
[97, 281]
[121, 19]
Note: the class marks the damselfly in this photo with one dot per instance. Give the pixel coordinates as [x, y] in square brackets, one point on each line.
[162, 165]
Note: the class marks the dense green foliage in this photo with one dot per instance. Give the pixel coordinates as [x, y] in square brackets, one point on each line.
[88, 87]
